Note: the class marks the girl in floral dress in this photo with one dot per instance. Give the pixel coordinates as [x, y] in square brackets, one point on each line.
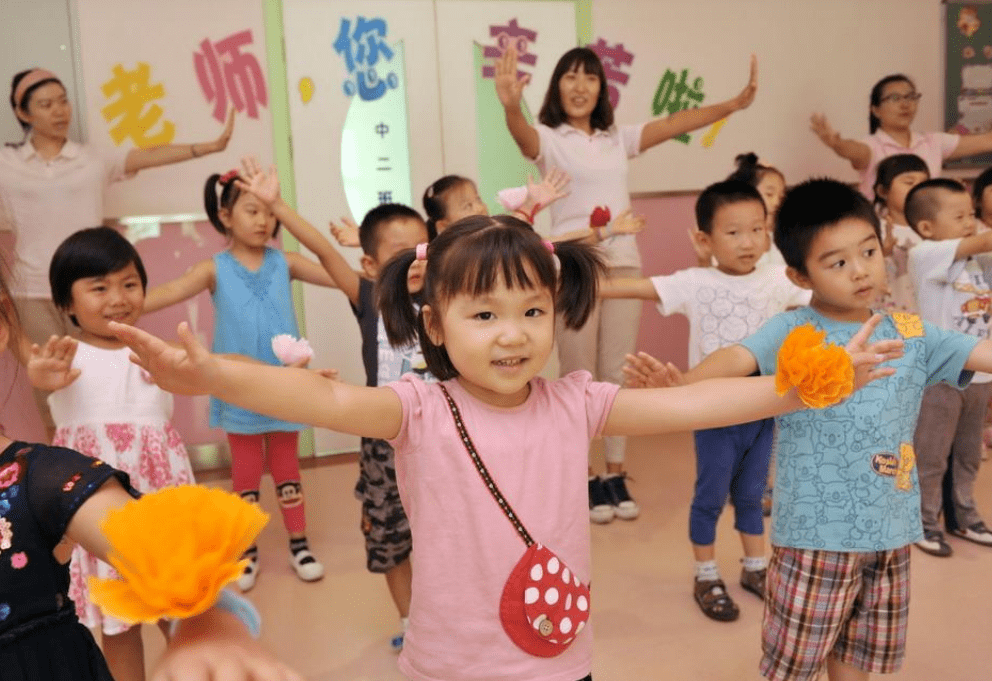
[110, 410]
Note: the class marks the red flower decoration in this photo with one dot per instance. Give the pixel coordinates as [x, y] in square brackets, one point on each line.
[600, 216]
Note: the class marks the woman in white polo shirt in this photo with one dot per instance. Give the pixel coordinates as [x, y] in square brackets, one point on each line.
[51, 187]
[891, 111]
[576, 134]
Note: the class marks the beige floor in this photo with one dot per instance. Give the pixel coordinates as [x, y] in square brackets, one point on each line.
[647, 626]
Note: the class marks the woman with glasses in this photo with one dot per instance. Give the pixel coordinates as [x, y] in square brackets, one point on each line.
[890, 116]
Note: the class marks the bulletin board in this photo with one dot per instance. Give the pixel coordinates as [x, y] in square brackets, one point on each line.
[160, 73]
[813, 56]
[968, 73]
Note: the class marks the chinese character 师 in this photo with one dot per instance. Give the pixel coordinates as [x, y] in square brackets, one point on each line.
[225, 72]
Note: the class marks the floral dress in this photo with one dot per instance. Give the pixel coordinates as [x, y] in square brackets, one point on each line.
[41, 488]
[114, 412]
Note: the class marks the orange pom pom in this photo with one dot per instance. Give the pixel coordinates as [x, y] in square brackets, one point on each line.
[822, 375]
[175, 550]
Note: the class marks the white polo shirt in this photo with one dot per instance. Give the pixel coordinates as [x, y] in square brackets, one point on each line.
[45, 200]
[597, 166]
[932, 147]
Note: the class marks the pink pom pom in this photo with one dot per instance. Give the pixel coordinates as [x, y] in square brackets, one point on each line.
[290, 350]
[512, 198]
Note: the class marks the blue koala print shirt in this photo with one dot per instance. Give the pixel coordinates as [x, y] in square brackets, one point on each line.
[845, 477]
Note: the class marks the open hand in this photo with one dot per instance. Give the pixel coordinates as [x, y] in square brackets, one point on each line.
[628, 223]
[867, 356]
[509, 88]
[645, 371]
[186, 370]
[256, 181]
[551, 188]
[820, 126]
[220, 144]
[746, 96]
[346, 233]
[50, 366]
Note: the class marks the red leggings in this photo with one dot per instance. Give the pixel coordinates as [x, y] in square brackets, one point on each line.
[247, 461]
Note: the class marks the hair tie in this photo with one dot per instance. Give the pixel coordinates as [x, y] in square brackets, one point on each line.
[549, 245]
[228, 176]
[32, 78]
[422, 251]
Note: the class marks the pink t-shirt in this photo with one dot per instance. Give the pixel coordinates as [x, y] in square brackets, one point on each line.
[932, 147]
[465, 547]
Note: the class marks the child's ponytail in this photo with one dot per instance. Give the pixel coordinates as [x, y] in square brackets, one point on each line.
[212, 204]
[581, 267]
[393, 299]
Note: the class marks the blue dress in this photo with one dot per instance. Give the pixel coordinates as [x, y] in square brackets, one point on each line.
[249, 309]
[41, 488]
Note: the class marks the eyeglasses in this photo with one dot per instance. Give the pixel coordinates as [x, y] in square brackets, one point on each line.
[897, 98]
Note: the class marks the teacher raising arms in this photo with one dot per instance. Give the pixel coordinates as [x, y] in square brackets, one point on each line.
[891, 112]
[51, 187]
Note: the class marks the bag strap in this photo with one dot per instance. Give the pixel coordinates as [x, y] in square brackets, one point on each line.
[484, 472]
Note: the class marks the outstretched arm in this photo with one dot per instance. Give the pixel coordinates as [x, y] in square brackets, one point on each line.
[510, 89]
[638, 288]
[139, 159]
[687, 120]
[969, 145]
[266, 187]
[200, 277]
[192, 370]
[856, 152]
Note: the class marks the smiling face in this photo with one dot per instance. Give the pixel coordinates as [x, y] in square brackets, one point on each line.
[96, 301]
[845, 270]
[49, 112]
[954, 219]
[250, 223]
[579, 92]
[895, 111]
[497, 341]
[737, 237]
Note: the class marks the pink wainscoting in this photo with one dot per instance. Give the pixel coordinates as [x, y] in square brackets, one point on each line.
[165, 257]
[665, 248]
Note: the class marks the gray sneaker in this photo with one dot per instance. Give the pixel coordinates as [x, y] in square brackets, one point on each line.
[977, 533]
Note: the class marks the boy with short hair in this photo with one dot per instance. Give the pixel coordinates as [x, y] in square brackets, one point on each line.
[724, 304]
[951, 272]
[846, 493]
[385, 231]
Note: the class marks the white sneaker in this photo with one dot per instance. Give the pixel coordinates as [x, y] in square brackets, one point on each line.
[247, 579]
[309, 571]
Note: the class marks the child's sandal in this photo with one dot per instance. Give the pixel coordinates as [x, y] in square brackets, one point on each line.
[714, 601]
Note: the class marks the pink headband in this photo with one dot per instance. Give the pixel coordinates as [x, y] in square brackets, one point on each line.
[422, 251]
[550, 246]
[33, 78]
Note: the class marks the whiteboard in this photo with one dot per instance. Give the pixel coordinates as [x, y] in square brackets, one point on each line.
[166, 37]
[814, 56]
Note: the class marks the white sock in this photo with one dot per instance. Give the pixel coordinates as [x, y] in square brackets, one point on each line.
[706, 571]
[753, 564]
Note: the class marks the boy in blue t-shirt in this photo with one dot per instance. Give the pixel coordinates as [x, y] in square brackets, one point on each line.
[847, 500]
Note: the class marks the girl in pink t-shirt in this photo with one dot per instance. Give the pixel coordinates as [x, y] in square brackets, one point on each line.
[491, 292]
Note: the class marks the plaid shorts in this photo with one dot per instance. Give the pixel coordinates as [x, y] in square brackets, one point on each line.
[853, 607]
[387, 530]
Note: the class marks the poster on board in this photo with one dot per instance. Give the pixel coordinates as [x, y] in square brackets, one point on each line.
[153, 76]
[968, 73]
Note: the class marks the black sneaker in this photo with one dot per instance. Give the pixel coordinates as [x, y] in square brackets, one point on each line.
[934, 544]
[600, 506]
[624, 506]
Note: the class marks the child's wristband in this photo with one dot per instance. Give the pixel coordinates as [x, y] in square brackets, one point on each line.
[240, 607]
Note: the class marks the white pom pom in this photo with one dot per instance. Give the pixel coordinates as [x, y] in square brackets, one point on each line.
[512, 198]
[289, 350]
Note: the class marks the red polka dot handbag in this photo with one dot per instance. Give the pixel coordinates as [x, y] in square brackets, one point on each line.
[544, 606]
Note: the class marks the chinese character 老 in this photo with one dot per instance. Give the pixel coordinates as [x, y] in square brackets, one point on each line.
[137, 116]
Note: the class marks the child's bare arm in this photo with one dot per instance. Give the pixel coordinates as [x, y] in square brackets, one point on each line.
[200, 277]
[973, 245]
[275, 391]
[305, 269]
[628, 287]
[733, 360]
[980, 358]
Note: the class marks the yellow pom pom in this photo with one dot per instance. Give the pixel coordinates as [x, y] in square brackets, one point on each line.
[175, 549]
[822, 375]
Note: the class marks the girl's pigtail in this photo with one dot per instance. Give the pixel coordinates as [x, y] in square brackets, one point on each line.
[581, 267]
[211, 203]
[393, 299]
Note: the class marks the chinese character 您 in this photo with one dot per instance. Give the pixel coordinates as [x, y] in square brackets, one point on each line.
[362, 49]
[226, 72]
[673, 96]
[132, 107]
[613, 58]
[506, 36]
